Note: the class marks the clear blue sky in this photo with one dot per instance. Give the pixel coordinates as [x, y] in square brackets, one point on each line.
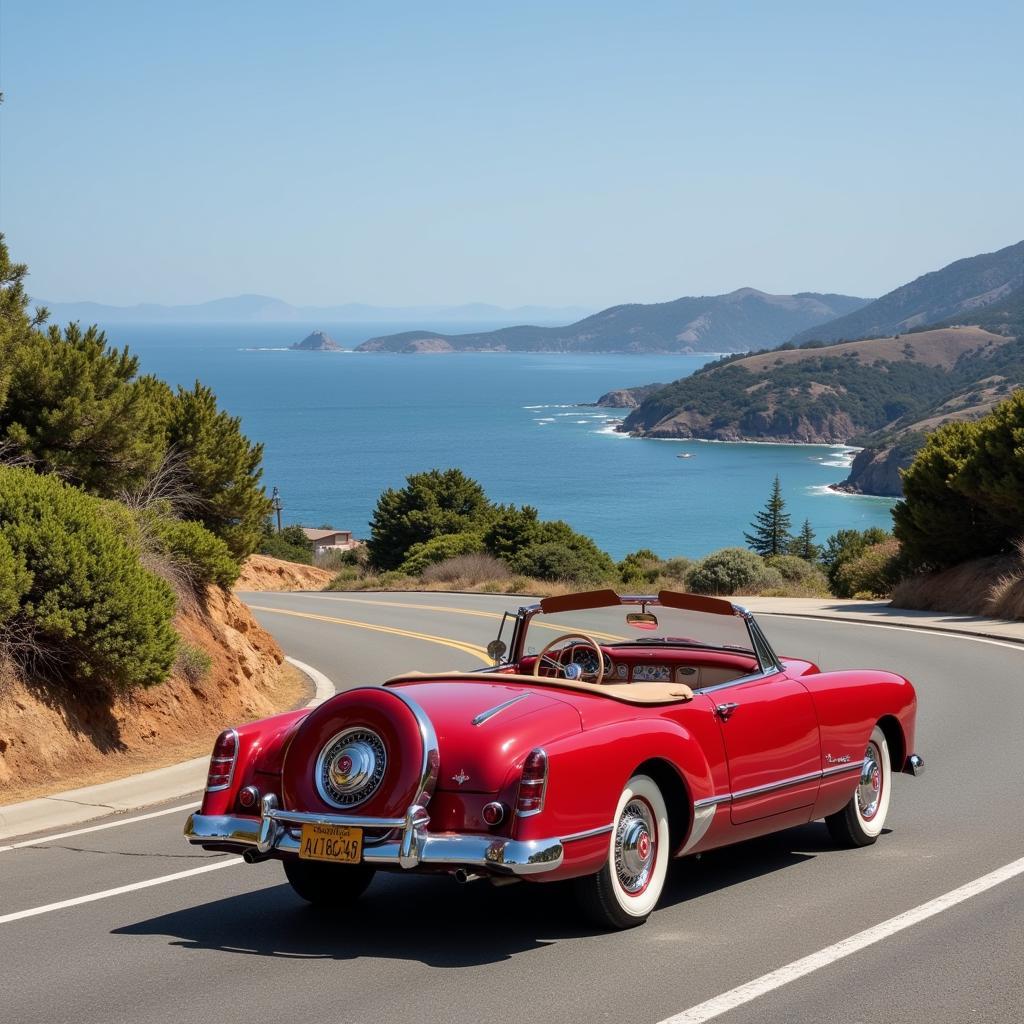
[591, 153]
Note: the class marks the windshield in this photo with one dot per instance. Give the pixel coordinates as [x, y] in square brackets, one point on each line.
[609, 626]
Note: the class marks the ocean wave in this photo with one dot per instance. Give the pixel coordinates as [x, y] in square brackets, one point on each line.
[562, 406]
[609, 429]
[836, 463]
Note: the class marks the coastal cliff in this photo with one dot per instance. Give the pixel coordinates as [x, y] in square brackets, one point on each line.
[876, 471]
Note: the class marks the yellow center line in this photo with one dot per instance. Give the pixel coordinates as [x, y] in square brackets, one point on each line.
[562, 628]
[466, 648]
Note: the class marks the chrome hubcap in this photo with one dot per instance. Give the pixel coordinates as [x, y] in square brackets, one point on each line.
[635, 847]
[869, 792]
[350, 767]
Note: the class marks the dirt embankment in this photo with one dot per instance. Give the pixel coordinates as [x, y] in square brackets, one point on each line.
[53, 739]
[261, 572]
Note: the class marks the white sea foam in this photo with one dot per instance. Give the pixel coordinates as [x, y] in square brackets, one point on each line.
[610, 429]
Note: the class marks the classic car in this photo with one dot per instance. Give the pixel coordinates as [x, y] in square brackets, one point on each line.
[612, 734]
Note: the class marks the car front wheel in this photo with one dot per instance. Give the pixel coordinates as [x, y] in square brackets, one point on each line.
[860, 822]
[327, 885]
[625, 891]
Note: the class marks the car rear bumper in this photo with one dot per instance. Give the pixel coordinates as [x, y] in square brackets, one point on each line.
[403, 842]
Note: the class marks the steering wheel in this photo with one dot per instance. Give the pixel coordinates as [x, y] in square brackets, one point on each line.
[555, 664]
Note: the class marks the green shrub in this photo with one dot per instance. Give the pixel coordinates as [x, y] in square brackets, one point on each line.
[440, 549]
[88, 602]
[290, 543]
[677, 569]
[200, 556]
[844, 546]
[873, 573]
[560, 553]
[640, 568]
[728, 571]
[193, 663]
[794, 568]
[14, 580]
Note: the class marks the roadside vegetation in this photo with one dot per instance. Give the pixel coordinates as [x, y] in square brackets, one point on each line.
[121, 502]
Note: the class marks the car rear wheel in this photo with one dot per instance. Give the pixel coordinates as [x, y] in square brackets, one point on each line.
[328, 885]
[625, 891]
[860, 822]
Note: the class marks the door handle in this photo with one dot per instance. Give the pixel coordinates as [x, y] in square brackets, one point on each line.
[724, 711]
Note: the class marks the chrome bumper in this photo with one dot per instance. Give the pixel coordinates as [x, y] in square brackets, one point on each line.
[406, 842]
[915, 765]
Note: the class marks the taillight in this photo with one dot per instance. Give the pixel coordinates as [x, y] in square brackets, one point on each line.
[532, 783]
[222, 761]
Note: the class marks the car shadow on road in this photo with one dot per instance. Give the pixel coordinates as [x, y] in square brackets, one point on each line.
[439, 923]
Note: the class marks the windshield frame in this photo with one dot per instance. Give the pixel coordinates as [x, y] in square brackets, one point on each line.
[768, 661]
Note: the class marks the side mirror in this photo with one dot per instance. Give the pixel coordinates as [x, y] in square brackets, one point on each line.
[642, 620]
[495, 650]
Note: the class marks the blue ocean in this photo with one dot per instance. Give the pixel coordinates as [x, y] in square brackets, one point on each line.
[338, 428]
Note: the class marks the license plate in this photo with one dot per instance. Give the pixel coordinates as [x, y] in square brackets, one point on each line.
[339, 844]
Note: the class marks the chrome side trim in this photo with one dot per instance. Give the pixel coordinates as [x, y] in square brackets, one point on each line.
[603, 830]
[486, 716]
[752, 678]
[840, 769]
[796, 780]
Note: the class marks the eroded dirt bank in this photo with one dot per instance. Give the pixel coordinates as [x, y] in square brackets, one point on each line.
[52, 739]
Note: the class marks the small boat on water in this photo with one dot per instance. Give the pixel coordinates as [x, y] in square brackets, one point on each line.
[685, 455]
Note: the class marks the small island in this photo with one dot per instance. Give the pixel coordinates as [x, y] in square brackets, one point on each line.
[318, 341]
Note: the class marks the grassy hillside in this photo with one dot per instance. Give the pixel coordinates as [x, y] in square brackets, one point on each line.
[833, 393]
[957, 293]
[736, 322]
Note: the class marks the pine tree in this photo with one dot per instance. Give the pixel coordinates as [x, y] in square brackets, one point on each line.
[803, 545]
[771, 526]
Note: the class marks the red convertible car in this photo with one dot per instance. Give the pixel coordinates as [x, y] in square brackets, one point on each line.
[611, 735]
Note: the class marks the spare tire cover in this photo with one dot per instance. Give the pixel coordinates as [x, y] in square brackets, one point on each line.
[374, 725]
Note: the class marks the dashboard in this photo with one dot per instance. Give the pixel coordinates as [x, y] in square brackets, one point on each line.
[698, 669]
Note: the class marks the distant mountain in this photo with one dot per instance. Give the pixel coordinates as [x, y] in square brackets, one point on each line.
[318, 341]
[955, 294]
[266, 309]
[736, 322]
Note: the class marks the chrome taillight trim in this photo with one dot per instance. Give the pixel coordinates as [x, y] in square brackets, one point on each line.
[221, 760]
[543, 781]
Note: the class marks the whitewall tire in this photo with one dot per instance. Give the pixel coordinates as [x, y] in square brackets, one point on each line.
[861, 821]
[625, 891]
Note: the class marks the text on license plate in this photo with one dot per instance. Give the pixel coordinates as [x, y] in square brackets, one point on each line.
[341, 844]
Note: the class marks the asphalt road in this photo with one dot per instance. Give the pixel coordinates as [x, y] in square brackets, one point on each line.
[233, 944]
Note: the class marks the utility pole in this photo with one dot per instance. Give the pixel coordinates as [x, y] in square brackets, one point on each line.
[277, 504]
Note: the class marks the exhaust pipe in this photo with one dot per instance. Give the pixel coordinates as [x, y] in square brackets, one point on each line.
[254, 856]
[464, 877]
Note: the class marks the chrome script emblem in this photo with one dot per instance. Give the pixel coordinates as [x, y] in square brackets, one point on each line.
[461, 777]
[837, 760]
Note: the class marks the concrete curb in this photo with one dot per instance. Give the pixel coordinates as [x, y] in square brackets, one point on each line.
[128, 794]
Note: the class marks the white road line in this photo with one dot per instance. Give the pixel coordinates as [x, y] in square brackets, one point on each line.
[99, 828]
[830, 954]
[926, 630]
[324, 687]
[120, 890]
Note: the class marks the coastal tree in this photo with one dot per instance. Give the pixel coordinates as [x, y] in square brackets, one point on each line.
[844, 546]
[430, 504]
[75, 406]
[937, 523]
[771, 534]
[221, 469]
[803, 545]
[512, 528]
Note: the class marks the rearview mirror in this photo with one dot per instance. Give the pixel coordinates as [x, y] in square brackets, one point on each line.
[495, 649]
[642, 620]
